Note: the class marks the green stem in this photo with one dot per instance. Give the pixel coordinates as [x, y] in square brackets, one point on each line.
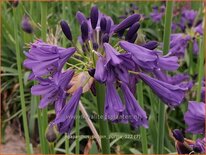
[167, 26]
[103, 124]
[166, 43]
[44, 121]
[20, 76]
[200, 70]
[77, 131]
[143, 132]
[66, 144]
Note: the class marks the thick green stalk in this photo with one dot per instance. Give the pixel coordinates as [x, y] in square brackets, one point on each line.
[77, 131]
[103, 124]
[143, 132]
[44, 121]
[166, 45]
[21, 85]
[66, 144]
[200, 70]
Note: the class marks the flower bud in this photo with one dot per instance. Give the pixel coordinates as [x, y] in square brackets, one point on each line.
[134, 37]
[197, 148]
[108, 26]
[95, 46]
[151, 45]
[127, 22]
[26, 25]
[103, 24]
[94, 16]
[51, 134]
[105, 38]
[132, 30]
[178, 135]
[80, 17]
[91, 72]
[66, 30]
[85, 31]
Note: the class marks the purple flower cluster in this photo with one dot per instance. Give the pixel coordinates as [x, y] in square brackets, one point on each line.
[118, 68]
[187, 146]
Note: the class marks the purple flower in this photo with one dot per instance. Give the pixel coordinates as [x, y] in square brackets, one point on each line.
[44, 59]
[199, 29]
[65, 119]
[178, 135]
[111, 55]
[195, 47]
[100, 71]
[52, 89]
[195, 117]
[142, 57]
[136, 115]
[172, 95]
[156, 16]
[127, 22]
[26, 24]
[178, 44]
[80, 17]
[168, 63]
[190, 16]
[113, 104]
[199, 145]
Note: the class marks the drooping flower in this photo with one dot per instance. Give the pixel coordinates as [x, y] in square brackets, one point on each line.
[172, 95]
[168, 63]
[44, 59]
[195, 117]
[53, 89]
[142, 57]
[65, 121]
[136, 115]
[113, 104]
[100, 71]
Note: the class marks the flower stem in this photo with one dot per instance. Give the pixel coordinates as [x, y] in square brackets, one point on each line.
[166, 45]
[103, 124]
[143, 132]
[67, 144]
[20, 76]
[44, 121]
[200, 70]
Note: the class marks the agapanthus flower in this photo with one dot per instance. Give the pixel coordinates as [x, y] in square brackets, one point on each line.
[142, 57]
[157, 13]
[136, 115]
[65, 121]
[44, 59]
[178, 44]
[187, 146]
[113, 104]
[52, 89]
[195, 117]
[172, 95]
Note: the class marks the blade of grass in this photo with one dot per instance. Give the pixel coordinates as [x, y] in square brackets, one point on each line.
[166, 43]
[20, 76]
